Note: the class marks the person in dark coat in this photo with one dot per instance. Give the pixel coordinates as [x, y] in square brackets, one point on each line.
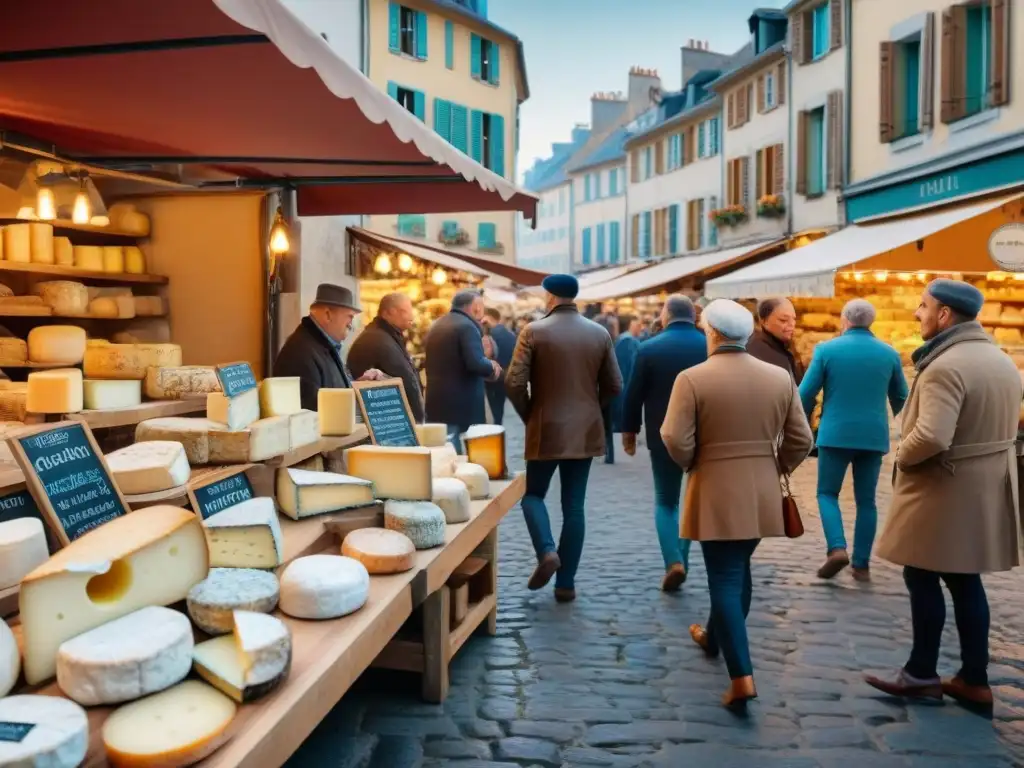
[660, 360]
[505, 345]
[457, 367]
[772, 342]
[313, 351]
[381, 345]
[627, 345]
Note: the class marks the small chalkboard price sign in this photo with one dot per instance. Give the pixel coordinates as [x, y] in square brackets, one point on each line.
[220, 491]
[386, 413]
[15, 732]
[67, 476]
[18, 504]
[236, 378]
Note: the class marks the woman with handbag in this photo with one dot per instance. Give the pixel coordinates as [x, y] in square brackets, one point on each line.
[737, 426]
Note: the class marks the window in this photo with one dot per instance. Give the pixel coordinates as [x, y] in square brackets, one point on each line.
[586, 188]
[673, 229]
[613, 182]
[978, 57]
[600, 244]
[738, 181]
[407, 33]
[695, 212]
[413, 225]
[486, 235]
[586, 246]
[769, 91]
[675, 151]
[449, 228]
[413, 101]
[487, 141]
[713, 136]
[820, 41]
[596, 185]
[485, 59]
[816, 147]
[648, 163]
[613, 242]
[770, 171]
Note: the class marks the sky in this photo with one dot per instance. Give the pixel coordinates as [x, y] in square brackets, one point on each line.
[575, 48]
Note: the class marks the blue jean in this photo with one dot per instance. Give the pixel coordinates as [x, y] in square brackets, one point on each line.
[668, 488]
[731, 588]
[454, 436]
[928, 617]
[573, 475]
[832, 465]
[496, 399]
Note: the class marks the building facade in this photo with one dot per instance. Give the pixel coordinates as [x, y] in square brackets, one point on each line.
[465, 77]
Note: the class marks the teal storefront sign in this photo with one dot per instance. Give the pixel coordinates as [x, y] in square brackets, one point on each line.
[991, 173]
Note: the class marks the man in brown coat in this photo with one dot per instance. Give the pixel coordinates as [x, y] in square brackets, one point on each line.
[563, 373]
[954, 509]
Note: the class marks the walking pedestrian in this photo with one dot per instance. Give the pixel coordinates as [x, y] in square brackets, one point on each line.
[857, 374]
[772, 341]
[610, 322]
[752, 428]
[955, 512]
[457, 367]
[562, 374]
[627, 345]
[505, 344]
[660, 360]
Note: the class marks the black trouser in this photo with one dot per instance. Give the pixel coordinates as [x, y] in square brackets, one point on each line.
[496, 399]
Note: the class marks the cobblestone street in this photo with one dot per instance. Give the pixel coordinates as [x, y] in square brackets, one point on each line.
[613, 680]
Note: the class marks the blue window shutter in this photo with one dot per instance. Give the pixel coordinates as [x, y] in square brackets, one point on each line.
[449, 227]
[647, 234]
[393, 90]
[476, 133]
[495, 63]
[498, 144]
[443, 119]
[613, 242]
[586, 246]
[421, 35]
[474, 56]
[673, 228]
[701, 129]
[449, 45]
[600, 243]
[394, 27]
[714, 135]
[419, 107]
[460, 124]
[485, 235]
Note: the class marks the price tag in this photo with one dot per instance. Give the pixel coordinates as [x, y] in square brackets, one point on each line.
[385, 410]
[236, 378]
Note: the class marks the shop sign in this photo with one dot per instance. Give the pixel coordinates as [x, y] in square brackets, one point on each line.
[386, 413]
[236, 378]
[1006, 247]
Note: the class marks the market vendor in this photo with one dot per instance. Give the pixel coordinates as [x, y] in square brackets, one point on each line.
[313, 351]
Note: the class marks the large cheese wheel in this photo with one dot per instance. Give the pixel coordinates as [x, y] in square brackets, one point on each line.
[128, 361]
[54, 732]
[380, 550]
[476, 479]
[324, 587]
[113, 258]
[89, 257]
[17, 243]
[57, 344]
[41, 242]
[56, 391]
[63, 252]
[134, 260]
[65, 297]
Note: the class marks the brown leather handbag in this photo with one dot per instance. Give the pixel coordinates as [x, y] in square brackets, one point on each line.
[792, 523]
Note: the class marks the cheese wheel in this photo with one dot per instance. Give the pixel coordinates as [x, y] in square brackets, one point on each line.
[452, 496]
[442, 460]
[128, 658]
[139, 734]
[56, 391]
[113, 258]
[128, 361]
[65, 297]
[13, 350]
[57, 344]
[179, 382]
[476, 479]
[5, 291]
[41, 242]
[17, 243]
[324, 587]
[55, 732]
[193, 434]
[380, 550]
[212, 601]
[14, 404]
[422, 521]
[108, 394]
[63, 252]
[136, 223]
[89, 257]
[10, 660]
[22, 550]
[252, 662]
[105, 306]
[134, 260]
[148, 467]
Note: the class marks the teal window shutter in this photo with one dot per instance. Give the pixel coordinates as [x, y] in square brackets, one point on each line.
[600, 243]
[911, 87]
[449, 45]
[474, 56]
[712, 228]
[714, 135]
[485, 235]
[443, 119]
[613, 242]
[497, 144]
[419, 107]
[613, 182]
[449, 227]
[673, 228]
[586, 246]
[421, 35]
[393, 90]
[460, 123]
[476, 134]
[394, 27]
[495, 63]
[647, 234]
[586, 187]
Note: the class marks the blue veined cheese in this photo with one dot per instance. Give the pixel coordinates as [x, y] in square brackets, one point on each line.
[212, 601]
[422, 521]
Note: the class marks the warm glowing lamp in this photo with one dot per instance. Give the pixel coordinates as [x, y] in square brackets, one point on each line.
[81, 212]
[46, 204]
[382, 265]
[279, 243]
[439, 277]
[405, 262]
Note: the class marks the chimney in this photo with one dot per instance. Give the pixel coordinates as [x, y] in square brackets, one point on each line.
[700, 56]
[641, 82]
[605, 110]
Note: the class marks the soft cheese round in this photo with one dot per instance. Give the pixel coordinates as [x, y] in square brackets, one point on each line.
[422, 521]
[380, 550]
[324, 587]
[212, 602]
[22, 549]
[452, 496]
[442, 460]
[59, 737]
[128, 658]
[476, 479]
[10, 659]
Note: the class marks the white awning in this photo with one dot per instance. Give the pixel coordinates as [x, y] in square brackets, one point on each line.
[655, 277]
[605, 274]
[810, 271]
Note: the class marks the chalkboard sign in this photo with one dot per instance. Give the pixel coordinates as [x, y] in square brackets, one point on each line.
[68, 477]
[236, 378]
[386, 413]
[20, 504]
[15, 732]
[220, 492]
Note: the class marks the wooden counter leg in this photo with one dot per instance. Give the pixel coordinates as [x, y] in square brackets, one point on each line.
[436, 646]
[488, 549]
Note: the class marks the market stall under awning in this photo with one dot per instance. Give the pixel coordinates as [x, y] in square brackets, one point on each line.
[665, 274]
[387, 244]
[810, 271]
[239, 86]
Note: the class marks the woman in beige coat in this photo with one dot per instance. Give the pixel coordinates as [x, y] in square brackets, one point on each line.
[724, 423]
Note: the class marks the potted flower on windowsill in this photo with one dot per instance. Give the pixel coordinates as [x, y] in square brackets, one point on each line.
[771, 207]
[729, 216]
[453, 237]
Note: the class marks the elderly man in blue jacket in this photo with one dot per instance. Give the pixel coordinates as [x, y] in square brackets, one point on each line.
[858, 374]
[658, 362]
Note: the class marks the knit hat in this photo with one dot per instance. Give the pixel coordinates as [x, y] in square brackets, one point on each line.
[561, 286]
[959, 296]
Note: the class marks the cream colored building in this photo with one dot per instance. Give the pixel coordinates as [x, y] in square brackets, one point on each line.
[817, 76]
[465, 77]
[547, 247]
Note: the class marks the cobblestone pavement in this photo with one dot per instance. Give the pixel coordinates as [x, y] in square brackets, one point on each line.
[613, 680]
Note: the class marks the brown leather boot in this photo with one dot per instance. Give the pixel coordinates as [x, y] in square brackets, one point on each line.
[545, 569]
[741, 690]
[700, 636]
[862, 575]
[977, 697]
[563, 595]
[835, 562]
[908, 687]
[674, 578]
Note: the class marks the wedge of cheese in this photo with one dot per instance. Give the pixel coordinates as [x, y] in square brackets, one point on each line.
[148, 467]
[153, 556]
[246, 535]
[233, 412]
[261, 440]
[396, 473]
[108, 394]
[249, 663]
[10, 660]
[303, 428]
[280, 396]
[337, 409]
[303, 493]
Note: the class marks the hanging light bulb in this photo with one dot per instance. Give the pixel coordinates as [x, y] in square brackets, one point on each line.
[279, 242]
[439, 277]
[382, 265]
[46, 204]
[81, 211]
[405, 262]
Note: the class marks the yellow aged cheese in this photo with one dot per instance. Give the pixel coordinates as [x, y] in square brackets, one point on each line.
[112, 307]
[129, 361]
[113, 258]
[134, 260]
[89, 257]
[193, 434]
[56, 391]
[396, 473]
[280, 396]
[179, 382]
[126, 218]
[13, 350]
[17, 240]
[337, 409]
[59, 344]
[65, 297]
[381, 550]
[41, 241]
[63, 252]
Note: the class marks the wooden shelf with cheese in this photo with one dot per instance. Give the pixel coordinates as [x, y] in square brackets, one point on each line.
[85, 234]
[73, 273]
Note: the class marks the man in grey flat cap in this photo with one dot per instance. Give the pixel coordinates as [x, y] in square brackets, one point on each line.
[954, 513]
[313, 351]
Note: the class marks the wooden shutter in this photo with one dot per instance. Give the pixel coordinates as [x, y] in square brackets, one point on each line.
[691, 144]
[780, 84]
[729, 197]
[635, 236]
[886, 91]
[999, 83]
[927, 118]
[779, 169]
[808, 36]
[759, 172]
[953, 89]
[659, 157]
[801, 153]
[745, 182]
[634, 166]
[796, 37]
[761, 104]
[834, 132]
[836, 23]
[730, 112]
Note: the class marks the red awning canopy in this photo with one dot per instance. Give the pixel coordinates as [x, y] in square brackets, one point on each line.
[240, 86]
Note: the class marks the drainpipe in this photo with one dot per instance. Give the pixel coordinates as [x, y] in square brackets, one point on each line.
[848, 103]
[790, 182]
[572, 226]
[364, 53]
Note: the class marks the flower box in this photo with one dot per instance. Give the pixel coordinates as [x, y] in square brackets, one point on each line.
[453, 237]
[771, 207]
[730, 216]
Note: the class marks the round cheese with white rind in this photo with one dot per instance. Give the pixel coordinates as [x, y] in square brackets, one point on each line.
[442, 460]
[128, 658]
[57, 344]
[422, 521]
[212, 602]
[476, 479]
[53, 732]
[10, 659]
[452, 496]
[380, 550]
[324, 587]
[22, 548]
